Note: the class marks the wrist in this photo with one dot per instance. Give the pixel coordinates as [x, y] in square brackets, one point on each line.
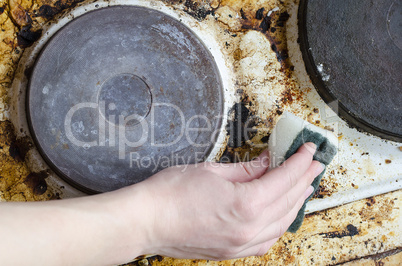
[133, 221]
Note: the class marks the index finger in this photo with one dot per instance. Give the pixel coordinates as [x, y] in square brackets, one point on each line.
[281, 179]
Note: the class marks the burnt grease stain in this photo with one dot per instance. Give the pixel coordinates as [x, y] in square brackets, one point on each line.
[27, 36]
[351, 231]
[36, 182]
[143, 260]
[49, 11]
[274, 28]
[1, 10]
[19, 148]
[260, 13]
[240, 127]
[198, 10]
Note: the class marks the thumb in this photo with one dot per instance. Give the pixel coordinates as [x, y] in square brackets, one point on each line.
[243, 171]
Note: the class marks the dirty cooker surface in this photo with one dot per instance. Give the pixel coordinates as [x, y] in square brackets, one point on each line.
[258, 47]
[252, 44]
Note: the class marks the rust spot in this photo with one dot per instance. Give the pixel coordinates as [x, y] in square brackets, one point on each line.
[37, 182]
[26, 36]
[351, 231]
[237, 54]
[287, 97]
[388, 161]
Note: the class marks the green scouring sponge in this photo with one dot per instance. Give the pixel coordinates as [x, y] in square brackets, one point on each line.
[288, 135]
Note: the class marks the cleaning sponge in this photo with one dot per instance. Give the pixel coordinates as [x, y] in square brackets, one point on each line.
[288, 135]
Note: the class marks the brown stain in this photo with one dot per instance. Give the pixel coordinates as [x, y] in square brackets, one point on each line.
[17, 183]
[370, 201]
[198, 9]
[377, 212]
[50, 10]
[327, 186]
[19, 148]
[240, 126]
[36, 182]
[274, 28]
[28, 36]
[388, 161]
[350, 230]
[20, 16]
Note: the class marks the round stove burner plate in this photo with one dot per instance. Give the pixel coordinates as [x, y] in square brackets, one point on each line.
[120, 93]
[352, 51]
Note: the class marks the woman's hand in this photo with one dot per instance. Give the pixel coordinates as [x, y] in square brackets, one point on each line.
[221, 211]
[210, 211]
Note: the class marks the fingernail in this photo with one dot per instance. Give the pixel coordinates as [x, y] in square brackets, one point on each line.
[311, 145]
[308, 192]
[319, 169]
[264, 157]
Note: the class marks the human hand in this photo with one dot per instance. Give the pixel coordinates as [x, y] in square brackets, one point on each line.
[209, 211]
[222, 211]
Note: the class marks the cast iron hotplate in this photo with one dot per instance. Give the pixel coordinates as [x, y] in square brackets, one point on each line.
[353, 54]
[120, 93]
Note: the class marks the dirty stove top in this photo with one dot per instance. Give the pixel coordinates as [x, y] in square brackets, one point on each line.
[249, 69]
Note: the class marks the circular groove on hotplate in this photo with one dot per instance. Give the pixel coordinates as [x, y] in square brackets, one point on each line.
[120, 93]
[353, 56]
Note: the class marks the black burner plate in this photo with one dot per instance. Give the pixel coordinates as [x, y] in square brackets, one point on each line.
[353, 54]
[121, 93]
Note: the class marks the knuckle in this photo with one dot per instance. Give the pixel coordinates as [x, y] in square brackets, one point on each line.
[281, 229]
[292, 179]
[247, 208]
[242, 237]
[289, 202]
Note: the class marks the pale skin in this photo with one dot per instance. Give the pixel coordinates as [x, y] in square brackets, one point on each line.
[208, 211]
